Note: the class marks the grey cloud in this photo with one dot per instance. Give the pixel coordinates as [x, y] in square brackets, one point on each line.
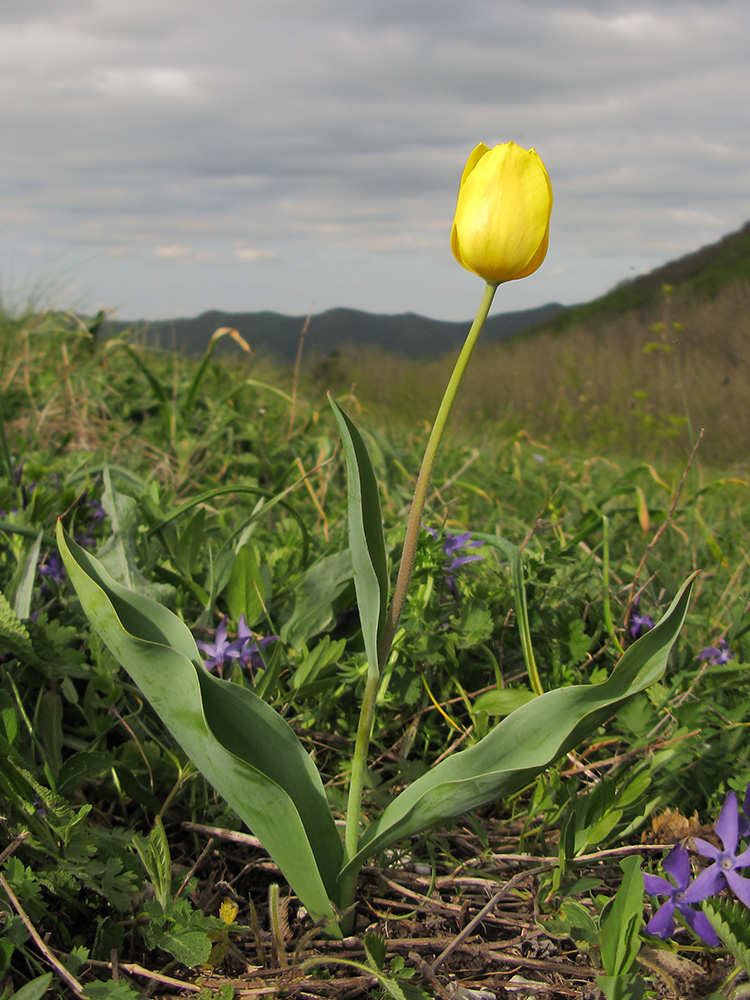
[311, 129]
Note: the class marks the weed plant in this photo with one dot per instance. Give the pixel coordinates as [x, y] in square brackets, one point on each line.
[166, 469]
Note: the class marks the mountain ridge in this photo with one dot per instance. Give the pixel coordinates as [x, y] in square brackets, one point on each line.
[277, 335]
[702, 272]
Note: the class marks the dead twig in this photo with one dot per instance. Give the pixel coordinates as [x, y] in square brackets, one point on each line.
[500, 894]
[133, 969]
[235, 836]
[14, 845]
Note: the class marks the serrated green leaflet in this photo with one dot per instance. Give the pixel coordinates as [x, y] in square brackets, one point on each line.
[242, 746]
[375, 948]
[14, 637]
[731, 921]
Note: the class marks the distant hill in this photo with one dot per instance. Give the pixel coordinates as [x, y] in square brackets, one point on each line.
[704, 273]
[278, 336]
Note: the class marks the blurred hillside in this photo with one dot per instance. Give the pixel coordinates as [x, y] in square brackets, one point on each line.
[700, 275]
[642, 369]
[278, 336]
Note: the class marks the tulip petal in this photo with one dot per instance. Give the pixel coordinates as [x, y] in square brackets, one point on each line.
[536, 261]
[501, 226]
[476, 155]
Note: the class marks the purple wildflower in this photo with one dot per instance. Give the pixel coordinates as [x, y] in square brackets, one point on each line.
[454, 542]
[726, 862]
[52, 569]
[247, 646]
[662, 924]
[217, 651]
[716, 654]
[96, 515]
[639, 623]
[96, 511]
[451, 544]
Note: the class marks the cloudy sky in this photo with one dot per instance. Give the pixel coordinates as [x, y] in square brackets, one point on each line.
[163, 157]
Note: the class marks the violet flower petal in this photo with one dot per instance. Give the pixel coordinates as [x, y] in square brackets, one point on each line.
[655, 885]
[662, 923]
[677, 864]
[740, 886]
[708, 653]
[727, 824]
[462, 560]
[705, 849]
[708, 883]
[742, 860]
[698, 923]
[453, 542]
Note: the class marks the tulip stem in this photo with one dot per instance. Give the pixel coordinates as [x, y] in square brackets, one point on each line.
[425, 474]
[348, 883]
[367, 711]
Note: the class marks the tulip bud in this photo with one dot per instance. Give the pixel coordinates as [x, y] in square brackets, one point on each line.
[501, 227]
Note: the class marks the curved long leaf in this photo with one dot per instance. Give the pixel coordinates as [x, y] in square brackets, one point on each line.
[239, 743]
[366, 541]
[273, 499]
[525, 742]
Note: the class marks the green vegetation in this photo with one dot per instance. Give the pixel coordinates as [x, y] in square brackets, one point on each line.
[644, 383]
[218, 489]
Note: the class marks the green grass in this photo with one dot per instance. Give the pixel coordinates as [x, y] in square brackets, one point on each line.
[85, 766]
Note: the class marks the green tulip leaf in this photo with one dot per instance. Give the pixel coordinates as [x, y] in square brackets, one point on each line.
[366, 541]
[242, 746]
[525, 742]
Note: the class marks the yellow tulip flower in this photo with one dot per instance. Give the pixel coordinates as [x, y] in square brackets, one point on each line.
[501, 227]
